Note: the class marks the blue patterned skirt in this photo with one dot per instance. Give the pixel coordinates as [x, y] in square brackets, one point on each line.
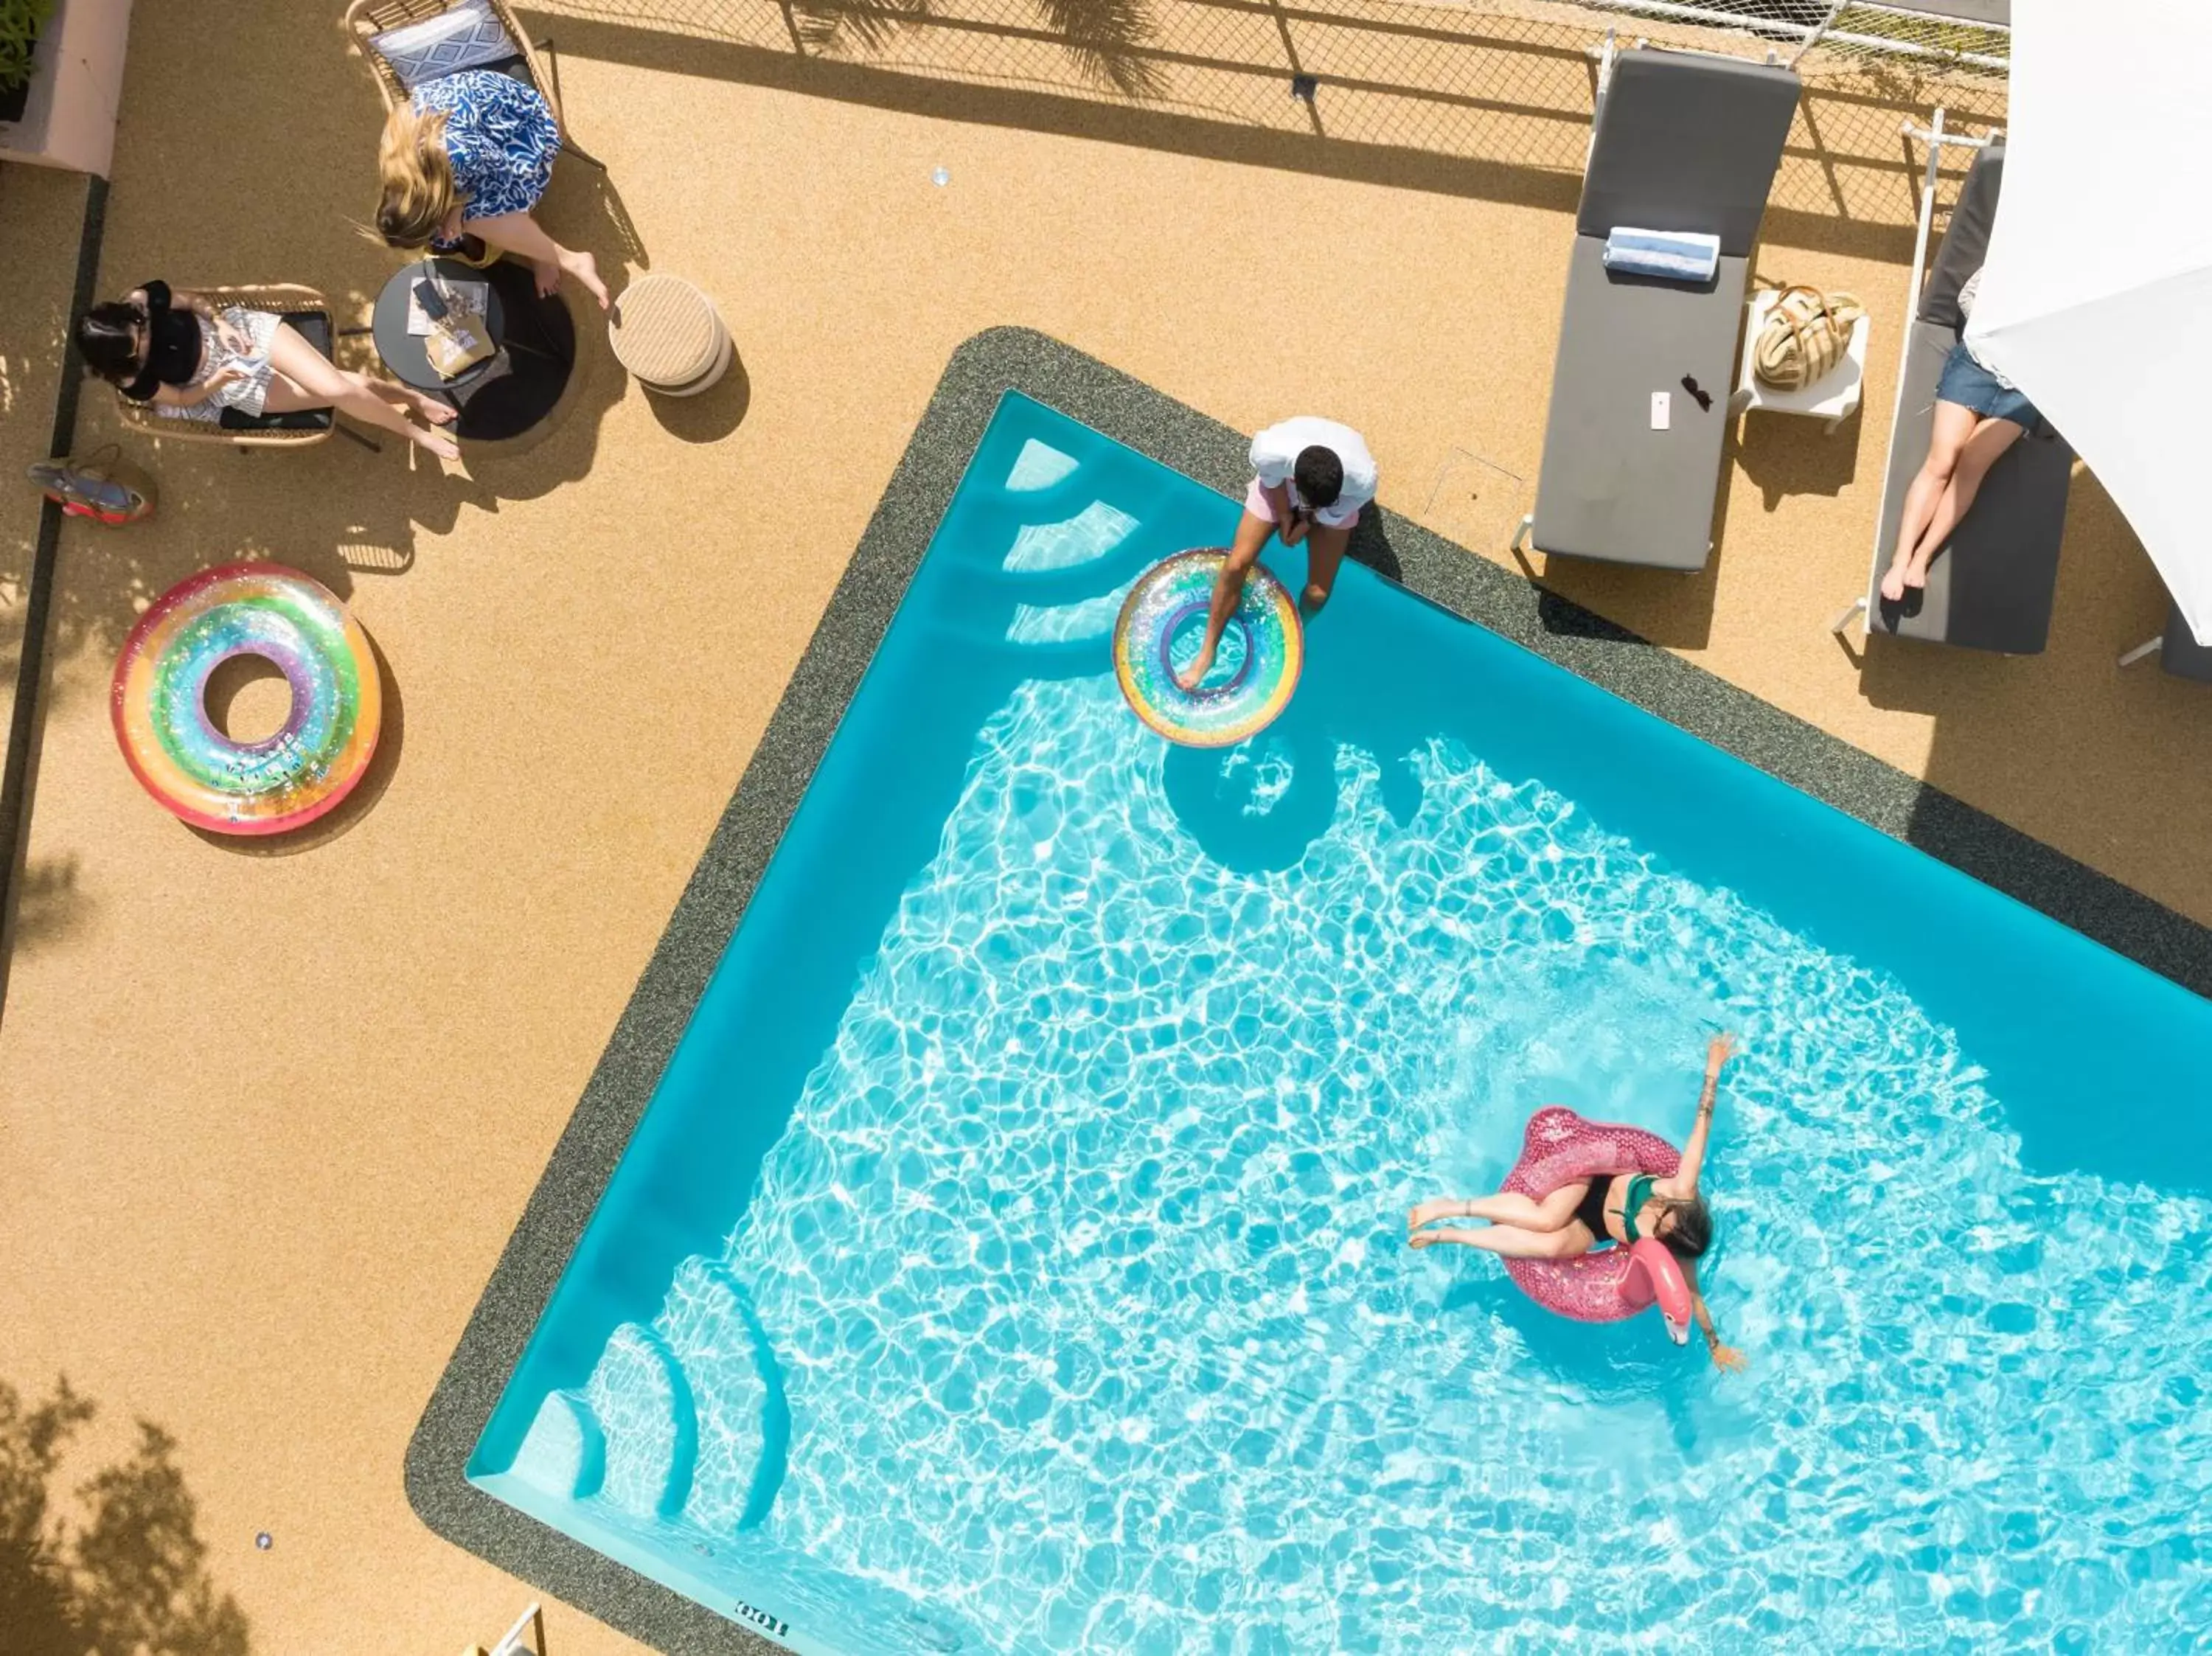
[499, 136]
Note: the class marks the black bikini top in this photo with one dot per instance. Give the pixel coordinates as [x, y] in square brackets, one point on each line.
[173, 345]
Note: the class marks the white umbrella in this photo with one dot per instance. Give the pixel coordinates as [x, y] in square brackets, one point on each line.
[2096, 299]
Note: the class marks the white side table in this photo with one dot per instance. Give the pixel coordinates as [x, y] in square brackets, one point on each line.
[1834, 397]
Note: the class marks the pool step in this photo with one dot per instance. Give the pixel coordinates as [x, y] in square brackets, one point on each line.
[743, 1424]
[642, 1401]
[1079, 621]
[686, 1414]
[1039, 465]
[1091, 534]
[564, 1453]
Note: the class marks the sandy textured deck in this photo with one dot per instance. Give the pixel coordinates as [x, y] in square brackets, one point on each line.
[269, 1113]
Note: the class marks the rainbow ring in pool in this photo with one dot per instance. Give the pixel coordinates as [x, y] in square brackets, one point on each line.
[159, 700]
[1165, 598]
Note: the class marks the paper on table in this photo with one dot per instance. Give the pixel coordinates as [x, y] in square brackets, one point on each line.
[463, 298]
[455, 345]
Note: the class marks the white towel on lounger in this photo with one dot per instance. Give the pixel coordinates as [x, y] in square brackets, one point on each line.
[1670, 255]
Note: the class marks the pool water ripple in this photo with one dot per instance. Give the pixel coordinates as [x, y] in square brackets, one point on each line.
[1082, 1258]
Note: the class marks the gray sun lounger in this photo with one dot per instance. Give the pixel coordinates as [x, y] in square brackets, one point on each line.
[1991, 587]
[1684, 141]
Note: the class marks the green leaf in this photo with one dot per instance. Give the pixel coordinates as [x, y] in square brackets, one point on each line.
[20, 23]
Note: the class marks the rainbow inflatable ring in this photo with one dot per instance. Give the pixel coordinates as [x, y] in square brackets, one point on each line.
[1605, 1284]
[159, 700]
[1257, 690]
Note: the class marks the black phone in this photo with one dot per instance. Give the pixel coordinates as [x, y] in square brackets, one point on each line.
[433, 303]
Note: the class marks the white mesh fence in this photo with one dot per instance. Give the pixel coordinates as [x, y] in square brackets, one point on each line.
[1433, 83]
[1819, 36]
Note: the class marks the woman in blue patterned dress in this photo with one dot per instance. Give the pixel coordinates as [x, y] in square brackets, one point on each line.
[470, 154]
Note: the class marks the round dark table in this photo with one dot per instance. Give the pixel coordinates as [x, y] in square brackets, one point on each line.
[535, 337]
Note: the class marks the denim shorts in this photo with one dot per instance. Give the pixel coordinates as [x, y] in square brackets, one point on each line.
[1970, 385]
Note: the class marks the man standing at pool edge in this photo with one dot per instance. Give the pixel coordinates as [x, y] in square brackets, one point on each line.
[1311, 478]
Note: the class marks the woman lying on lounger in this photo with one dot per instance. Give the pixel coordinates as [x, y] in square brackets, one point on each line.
[191, 361]
[1978, 416]
[1619, 1208]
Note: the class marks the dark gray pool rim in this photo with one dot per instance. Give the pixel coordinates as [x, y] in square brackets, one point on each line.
[981, 371]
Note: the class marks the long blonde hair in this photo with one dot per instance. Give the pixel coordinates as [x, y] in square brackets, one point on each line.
[416, 177]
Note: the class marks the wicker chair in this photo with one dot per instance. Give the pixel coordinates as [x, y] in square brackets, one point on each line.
[365, 18]
[308, 313]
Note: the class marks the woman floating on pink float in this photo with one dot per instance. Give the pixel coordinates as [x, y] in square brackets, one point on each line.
[1579, 1183]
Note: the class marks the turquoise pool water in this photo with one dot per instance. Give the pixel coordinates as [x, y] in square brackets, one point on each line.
[1012, 1259]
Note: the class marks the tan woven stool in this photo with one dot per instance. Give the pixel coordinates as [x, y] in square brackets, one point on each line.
[665, 332]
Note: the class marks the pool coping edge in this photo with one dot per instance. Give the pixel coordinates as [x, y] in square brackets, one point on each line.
[980, 372]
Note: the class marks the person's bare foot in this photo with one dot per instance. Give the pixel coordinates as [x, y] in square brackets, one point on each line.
[1191, 676]
[1893, 580]
[1443, 1207]
[548, 272]
[1916, 573]
[1431, 1238]
[586, 270]
[436, 442]
[437, 413]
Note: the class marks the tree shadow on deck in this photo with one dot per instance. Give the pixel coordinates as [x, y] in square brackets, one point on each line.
[126, 1571]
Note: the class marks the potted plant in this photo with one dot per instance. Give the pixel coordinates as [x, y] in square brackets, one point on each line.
[61, 78]
[20, 23]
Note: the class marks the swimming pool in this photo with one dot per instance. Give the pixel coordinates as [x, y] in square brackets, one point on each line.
[1011, 1258]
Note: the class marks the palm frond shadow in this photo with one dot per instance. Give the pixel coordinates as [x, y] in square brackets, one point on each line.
[1105, 38]
[833, 28]
[1102, 36]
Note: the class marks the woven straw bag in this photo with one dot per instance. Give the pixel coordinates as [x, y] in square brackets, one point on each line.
[1804, 336]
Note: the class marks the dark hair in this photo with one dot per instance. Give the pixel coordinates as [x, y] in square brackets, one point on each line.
[1692, 1232]
[107, 340]
[1319, 475]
